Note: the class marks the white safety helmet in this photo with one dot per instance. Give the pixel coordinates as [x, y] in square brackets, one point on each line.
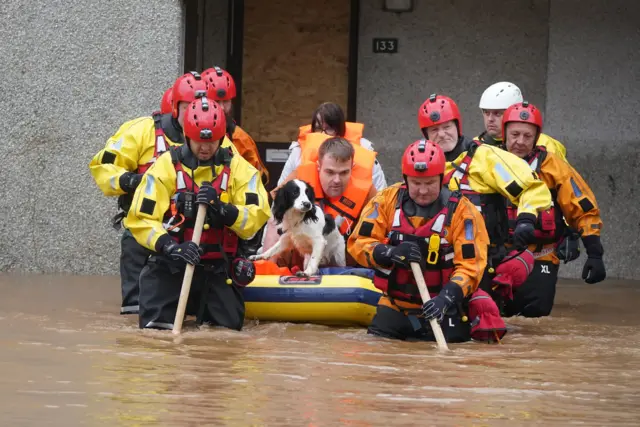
[500, 96]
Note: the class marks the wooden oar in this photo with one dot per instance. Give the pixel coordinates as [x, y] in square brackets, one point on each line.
[188, 273]
[424, 294]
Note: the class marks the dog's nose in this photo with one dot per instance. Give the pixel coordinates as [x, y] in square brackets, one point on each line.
[306, 205]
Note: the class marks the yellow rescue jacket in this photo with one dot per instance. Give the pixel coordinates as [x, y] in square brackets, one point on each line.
[133, 146]
[493, 170]
[153, 197]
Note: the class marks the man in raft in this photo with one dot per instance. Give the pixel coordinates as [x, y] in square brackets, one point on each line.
[420, 221]
[205, 170]
[572, 198]
[341, 176]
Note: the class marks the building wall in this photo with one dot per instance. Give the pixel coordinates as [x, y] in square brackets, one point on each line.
[456, 49]
[593, 97]
[73, 71]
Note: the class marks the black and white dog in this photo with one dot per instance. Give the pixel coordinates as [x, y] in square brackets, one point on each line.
[306, 228]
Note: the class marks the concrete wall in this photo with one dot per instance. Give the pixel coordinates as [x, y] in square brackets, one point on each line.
[72, 72]
[455, 48]
[593, 99]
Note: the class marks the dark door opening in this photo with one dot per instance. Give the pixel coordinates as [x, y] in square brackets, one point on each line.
[286, 57]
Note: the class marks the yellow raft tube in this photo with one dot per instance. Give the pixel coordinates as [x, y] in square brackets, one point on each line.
[337, 300]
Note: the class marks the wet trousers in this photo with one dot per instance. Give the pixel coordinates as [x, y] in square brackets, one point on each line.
[133, 258]
[211, 299]
[390, 323]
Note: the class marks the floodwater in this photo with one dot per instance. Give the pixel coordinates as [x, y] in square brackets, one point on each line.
[67, 359]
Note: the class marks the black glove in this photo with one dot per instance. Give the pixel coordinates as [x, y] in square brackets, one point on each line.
[402, 255]
[593, 271]
[382, 255]
[187, 252]
[406, 253]
[437, 307]
[569, 247]
[129, 181]
[207, 195]
[243, 271]
[225, 212]
[524, 233]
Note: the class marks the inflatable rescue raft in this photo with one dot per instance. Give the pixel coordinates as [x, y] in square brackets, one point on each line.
[340, 300]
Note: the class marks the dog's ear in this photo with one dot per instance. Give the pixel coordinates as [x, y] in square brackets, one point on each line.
[280, 204]
[311, 195]
[310, 215]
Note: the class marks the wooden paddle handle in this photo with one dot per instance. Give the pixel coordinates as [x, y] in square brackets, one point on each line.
[424, 294]
[188, 273]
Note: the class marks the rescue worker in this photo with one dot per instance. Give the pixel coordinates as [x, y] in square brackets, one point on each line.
[421, 221]
[222, 88]
[118, 169]
[493, 103]
[572, 197]
[486, 175]
[328, 120]
[204, 170]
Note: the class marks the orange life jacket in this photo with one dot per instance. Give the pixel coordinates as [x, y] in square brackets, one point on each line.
[362, 156]
[346, 208]
[217, 242]
[399, 283]
[352, 134]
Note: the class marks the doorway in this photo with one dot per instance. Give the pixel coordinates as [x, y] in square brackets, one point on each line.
[287, 57]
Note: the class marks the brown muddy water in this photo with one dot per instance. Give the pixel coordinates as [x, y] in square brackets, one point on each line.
[67, 359]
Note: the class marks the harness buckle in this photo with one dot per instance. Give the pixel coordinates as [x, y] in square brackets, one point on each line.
[224, 197]
[434, 249]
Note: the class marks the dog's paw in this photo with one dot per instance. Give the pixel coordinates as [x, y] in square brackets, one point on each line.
[301, 274]
[255, 258]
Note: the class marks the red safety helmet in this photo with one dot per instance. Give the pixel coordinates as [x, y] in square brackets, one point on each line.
[522, 112]
[439, 109]
[423, 158]
[165, 104]
[187, 88]
[204, 121]
[221, 84]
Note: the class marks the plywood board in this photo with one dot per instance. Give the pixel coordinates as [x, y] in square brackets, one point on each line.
[296, 56]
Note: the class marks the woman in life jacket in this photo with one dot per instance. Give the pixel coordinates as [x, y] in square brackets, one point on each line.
[328, 120]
